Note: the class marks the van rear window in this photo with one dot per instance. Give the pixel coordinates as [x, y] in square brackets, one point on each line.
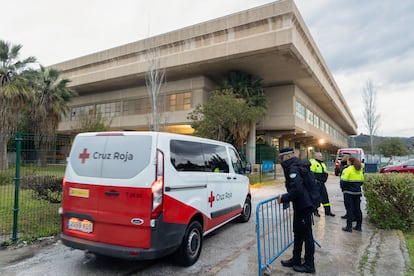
[200, 157]
[119, 157]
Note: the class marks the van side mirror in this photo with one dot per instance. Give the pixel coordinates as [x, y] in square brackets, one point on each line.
[247, 168]
[363, 160]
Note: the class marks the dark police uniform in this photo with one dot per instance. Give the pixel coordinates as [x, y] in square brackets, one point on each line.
[302, 216]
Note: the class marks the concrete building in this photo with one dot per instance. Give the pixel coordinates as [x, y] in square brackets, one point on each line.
[305, 105]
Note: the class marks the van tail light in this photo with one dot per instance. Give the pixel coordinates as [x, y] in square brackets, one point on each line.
[64, 185]
[157, 186]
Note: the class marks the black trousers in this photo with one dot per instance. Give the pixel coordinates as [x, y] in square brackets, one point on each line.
[324, 194]
[302, 231]
[353, 209]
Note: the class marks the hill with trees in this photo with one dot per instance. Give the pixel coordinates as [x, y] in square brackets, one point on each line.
[363, 141]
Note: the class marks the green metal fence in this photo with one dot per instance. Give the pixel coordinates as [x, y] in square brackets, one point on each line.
[31, 187]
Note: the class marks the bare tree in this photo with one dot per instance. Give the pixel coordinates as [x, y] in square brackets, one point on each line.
[371, 116]
[91, 121]
[155, 78]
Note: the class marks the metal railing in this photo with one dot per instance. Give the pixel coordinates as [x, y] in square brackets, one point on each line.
[274, 231]
[30, 188]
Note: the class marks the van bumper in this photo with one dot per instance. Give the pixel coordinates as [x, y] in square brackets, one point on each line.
[116, 251]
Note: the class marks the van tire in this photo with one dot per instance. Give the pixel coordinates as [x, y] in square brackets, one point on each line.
[190, 248]
[246, 212]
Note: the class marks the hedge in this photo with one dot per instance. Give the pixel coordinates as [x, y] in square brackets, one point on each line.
[390, 200]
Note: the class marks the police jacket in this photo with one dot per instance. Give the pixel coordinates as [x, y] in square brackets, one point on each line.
[296, 191]
[319, 169]
[352, 180]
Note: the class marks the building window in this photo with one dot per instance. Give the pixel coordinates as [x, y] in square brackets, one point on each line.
[78, 111]
[136, 106]
[322, 125]
[316, 121]
[109, 110]
[309, 116]
[178, 102]
[300, 110]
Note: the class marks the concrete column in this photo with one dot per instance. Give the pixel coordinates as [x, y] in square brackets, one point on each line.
[251, 144]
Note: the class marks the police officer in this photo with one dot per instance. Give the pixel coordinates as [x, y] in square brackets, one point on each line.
[302, 211]
[319, 169]
[352, 178]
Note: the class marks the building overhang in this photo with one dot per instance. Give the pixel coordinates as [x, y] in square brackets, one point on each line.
[270, 41]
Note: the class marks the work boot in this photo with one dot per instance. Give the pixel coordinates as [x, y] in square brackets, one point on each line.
[328, 211]
[305, 268]
[343, 217]
[358, 228]
[347, 229]
[291, 262]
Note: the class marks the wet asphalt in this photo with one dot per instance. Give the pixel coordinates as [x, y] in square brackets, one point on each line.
[369, 252]
[372, 251]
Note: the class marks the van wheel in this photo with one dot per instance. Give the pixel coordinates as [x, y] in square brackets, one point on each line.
[191, 245]
[246, 212]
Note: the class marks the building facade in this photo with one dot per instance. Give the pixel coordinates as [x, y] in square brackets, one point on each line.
[306, 109]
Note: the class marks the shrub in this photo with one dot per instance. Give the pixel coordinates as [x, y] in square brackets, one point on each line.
[46, 187]
[6, 177]
[390, 200]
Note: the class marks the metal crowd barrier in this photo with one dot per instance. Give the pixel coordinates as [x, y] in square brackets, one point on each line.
[274, 231]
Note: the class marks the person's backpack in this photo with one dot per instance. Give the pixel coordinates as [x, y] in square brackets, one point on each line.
[311, 186]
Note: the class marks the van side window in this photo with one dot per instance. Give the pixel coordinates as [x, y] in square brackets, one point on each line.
[216, 158]
[189, 156]
[236, 161]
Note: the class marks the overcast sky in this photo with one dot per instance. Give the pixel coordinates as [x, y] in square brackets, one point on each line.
[359, 40]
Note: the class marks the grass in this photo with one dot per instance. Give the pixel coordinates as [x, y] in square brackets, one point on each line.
[36, 217]
[409, 240]
[257, 181]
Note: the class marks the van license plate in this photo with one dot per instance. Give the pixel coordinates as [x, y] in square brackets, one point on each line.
[80, 225]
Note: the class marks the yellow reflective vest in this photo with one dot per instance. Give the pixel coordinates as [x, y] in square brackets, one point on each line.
[319, 169]
[352, 180]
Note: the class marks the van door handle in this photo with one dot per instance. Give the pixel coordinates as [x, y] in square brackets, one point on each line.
[111, 193]
[229, 178]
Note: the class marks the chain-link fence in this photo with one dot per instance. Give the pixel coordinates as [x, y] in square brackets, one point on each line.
[31, 186]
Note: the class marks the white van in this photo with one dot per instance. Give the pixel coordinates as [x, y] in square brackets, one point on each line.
[358, 153]
[143, 195]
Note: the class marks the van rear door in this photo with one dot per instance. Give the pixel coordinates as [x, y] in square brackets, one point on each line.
[107, 188]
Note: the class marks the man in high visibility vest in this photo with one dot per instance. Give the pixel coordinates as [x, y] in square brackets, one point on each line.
[319, 169]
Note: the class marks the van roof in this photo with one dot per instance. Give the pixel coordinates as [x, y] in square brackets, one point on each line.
[172, 135]
[345, 149]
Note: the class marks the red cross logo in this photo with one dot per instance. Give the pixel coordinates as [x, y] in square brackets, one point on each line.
[83, 156]
[211, 199]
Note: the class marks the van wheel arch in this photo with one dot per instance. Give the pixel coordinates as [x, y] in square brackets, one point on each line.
[191, 245]
[246, 211]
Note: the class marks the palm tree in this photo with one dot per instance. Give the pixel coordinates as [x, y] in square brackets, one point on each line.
[50, 103]
[246, 86]
[14, 93]
[232, 110]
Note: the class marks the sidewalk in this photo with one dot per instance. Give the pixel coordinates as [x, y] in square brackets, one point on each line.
[370, 252]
